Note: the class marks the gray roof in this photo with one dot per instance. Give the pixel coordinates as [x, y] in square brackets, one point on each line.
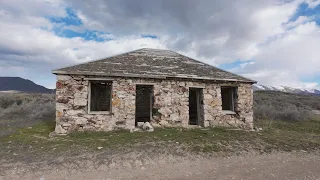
[152, 63]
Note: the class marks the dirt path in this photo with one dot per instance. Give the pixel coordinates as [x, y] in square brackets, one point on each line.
[268, 166]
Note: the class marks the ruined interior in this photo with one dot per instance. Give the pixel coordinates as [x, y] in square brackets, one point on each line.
[144, 101]
[195, 106]
[228, 95]
[100, 96]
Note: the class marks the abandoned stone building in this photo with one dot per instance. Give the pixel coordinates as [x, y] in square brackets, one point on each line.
[162, 87]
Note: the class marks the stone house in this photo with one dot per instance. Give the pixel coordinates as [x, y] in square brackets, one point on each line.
[159, 86]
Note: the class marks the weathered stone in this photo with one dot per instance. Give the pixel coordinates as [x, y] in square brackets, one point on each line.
[60, 130]
[61, 107]
[80, 121]
[135, 130]
[75, 112]
[80, 95]
[121, 123]
[140, 124]
[208, 96]
[164, 123]
[147, 127]
[63, 78]
[66, 125]
[80, 102]
[171, 101]
[52, 134]
[165, 111]
[167, 100]
[62, 99]
[165, 90]
[59, 85]
[174, 117]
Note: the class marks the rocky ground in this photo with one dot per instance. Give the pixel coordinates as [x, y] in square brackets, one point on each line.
[298, 165]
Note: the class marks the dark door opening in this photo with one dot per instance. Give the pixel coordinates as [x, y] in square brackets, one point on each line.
[195, 106]
[144, 101]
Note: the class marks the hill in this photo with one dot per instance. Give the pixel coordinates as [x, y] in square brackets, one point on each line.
[14, 84]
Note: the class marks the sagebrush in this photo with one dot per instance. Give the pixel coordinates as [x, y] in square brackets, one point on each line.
[21, 109]
[273, 105]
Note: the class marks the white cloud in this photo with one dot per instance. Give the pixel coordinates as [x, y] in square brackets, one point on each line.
[313, 3]
[274, 51]
[288, 59]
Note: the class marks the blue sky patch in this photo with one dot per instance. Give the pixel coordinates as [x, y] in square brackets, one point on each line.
[311, 78]
[149, 36]
[87, 35]
[71, 18]
[305, 10]
[232, 65]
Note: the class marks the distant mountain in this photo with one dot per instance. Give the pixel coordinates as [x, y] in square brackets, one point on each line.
[258, 87]
[14, 84]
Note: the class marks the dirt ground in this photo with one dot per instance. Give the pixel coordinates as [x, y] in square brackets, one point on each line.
[252, 166]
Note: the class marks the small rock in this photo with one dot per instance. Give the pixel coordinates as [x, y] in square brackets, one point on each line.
[52, 134]
[100, 148]
[135, 130]
[147, 127]
[164, 123]
[60, 130]
[140, 124]
[112, 165]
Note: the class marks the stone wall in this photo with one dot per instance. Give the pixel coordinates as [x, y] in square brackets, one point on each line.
[171, 105]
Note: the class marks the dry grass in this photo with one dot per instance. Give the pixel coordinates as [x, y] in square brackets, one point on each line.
[21, 110]
[275, 105]
[33, 144]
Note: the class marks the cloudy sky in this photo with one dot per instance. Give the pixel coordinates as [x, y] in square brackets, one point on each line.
[276, 42]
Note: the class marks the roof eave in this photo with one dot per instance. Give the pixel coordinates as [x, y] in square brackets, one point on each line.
[59, 72]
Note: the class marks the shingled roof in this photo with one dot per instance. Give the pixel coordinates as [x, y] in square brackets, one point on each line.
[152, 63]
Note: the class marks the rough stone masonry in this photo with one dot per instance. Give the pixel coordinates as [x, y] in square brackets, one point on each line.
[172, 77]
[170, 100]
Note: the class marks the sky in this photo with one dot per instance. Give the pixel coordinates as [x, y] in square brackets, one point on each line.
[275, 42]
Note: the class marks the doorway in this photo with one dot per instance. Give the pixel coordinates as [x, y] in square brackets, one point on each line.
[196, 106]
[144, 101]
